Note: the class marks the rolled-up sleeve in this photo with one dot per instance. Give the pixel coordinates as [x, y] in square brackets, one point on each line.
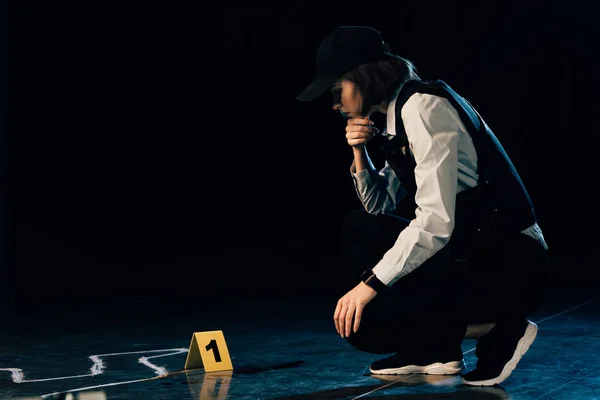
[378, 191]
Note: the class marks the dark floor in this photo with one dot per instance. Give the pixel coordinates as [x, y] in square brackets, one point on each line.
[137, 354]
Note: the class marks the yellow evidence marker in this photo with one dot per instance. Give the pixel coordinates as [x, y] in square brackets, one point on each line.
[208, 349]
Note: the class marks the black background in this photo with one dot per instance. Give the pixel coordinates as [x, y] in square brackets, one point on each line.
[155, 154]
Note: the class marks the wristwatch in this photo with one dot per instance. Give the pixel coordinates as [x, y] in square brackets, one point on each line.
[369, 278]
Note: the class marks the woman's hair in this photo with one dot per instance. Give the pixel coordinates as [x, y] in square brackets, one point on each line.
[379, 80]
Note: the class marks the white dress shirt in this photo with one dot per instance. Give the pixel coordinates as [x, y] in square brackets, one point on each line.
[446, 163]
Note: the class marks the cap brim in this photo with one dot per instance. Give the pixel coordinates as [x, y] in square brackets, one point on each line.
[316, 88]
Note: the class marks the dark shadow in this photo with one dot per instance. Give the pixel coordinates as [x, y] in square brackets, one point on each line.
[462, 393]
[253, 369]
[456, 390]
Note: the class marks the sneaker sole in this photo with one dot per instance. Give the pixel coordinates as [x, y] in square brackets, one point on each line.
[449, 368]
[509, 367]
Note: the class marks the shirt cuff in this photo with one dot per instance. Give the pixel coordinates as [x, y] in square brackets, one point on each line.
[385, 274]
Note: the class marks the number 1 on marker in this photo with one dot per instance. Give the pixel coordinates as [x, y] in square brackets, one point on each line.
[212, 345]
[213, 356]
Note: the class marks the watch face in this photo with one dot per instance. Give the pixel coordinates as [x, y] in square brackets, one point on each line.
[366, 275]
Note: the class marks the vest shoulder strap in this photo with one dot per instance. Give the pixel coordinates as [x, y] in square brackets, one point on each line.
[439, 88]
[467, 113]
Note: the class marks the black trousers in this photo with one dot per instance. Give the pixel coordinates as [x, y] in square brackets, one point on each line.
[429, 309]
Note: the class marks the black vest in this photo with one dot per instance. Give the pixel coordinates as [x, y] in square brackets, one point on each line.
[498, 206]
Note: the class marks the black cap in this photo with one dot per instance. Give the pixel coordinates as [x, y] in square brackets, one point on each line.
[344, 49]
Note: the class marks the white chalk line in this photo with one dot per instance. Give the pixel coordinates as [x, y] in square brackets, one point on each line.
[15, 373]
[160, 371]
[18, 376]
[44, 396]
[141, 352]
[98, 366]
[374, 390]
[115, 383]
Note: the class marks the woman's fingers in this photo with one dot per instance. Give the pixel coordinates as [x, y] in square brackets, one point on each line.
[348, 321]
[357, 130]
[358, 317]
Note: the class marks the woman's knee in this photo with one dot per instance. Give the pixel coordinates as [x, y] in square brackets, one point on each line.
[367, 342]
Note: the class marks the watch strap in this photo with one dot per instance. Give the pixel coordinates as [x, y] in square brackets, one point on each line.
[370, 279]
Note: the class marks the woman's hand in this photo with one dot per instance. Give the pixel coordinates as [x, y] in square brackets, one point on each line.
[359, 131]
[350, 307]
